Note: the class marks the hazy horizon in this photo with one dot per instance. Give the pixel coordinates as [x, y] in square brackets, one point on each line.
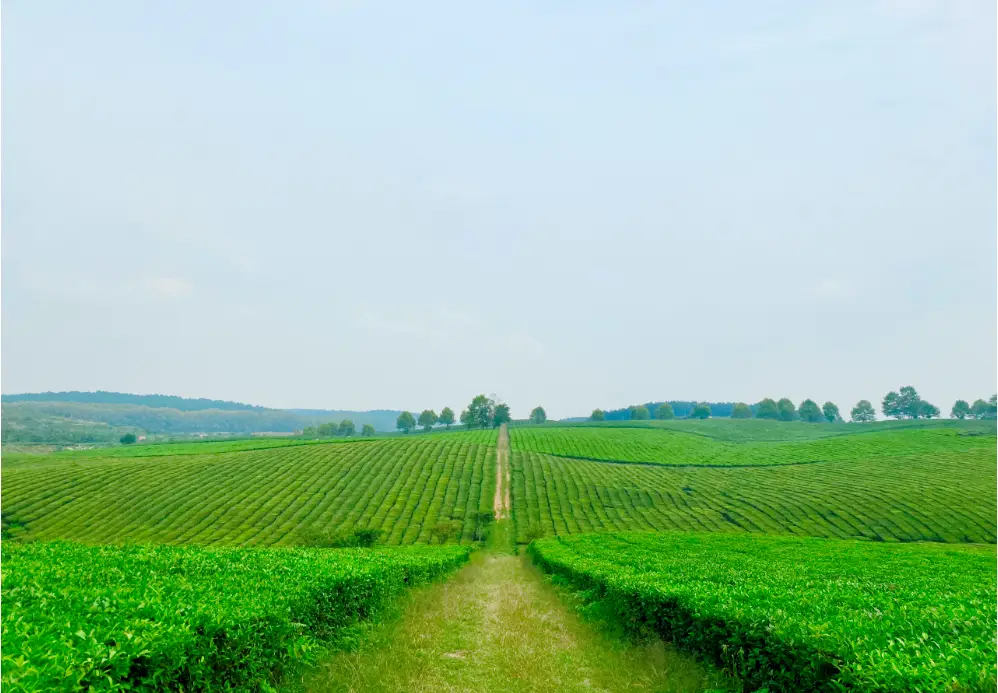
[355, 206]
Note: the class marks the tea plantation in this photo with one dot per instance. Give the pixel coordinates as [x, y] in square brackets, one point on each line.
[792, 614]
[109, 618]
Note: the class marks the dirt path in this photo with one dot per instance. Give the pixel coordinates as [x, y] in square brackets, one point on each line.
[498, 626]
[501, 502]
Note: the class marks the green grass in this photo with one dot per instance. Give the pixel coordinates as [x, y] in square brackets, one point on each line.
[796, 614]
[403, 486]
[188, 618]
[943, 496]
[496, 627]
[667, 447]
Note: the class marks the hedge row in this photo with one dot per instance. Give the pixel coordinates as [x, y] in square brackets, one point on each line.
[143, 618]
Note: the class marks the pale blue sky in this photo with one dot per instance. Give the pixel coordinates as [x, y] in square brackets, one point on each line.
[575, 204]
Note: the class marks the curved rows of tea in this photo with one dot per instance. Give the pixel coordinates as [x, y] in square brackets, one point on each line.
[767, 430]
[947, 496]
[793, 614]
[111, 618]
[403, 486]
[657, 446]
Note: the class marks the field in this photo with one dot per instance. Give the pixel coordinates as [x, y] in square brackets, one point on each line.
[673, 447]
[800, 614]
[944, 496]
[187, 618]
[403, 486]
[754, 549]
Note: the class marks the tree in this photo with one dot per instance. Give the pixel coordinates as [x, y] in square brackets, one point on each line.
[501, 415]
[926, 410]
[786, 409]
[639, 413]
[597, 415]
[367, 430]
[466, 418]
[984, 410]
[831, 412]
[741, 411]
[863, 412]
[889, 405]
[701, 410]
[446, 417]
[405, 422]
[665, 411]
[327, 430]
[905, 404]
[810, 411]
[427, 418]
[347, 428]
[960, 410]
[538, 415]
[767, 409]
[909, 403]
[480, 411]
[309, 432]
[128, 439]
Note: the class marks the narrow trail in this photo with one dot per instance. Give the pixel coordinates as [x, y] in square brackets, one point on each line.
[497, 626]
[501, 502]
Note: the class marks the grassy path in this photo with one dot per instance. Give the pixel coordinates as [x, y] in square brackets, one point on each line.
[497, 626]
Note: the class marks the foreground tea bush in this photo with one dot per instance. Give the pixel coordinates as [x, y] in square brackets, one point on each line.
[105, 618]
[796, 614]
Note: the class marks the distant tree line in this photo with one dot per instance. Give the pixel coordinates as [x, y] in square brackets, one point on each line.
[482, 412]
[902, 404]
[332, 429]
[158, 401]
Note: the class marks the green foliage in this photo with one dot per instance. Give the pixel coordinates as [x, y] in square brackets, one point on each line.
[406, 422]
[810, 411]
[960, 410]
[402, 485]
[665, 412]
[538, 415]
[480, 412]
[767, 409]
[787, 411]
[597, 415]
[741, 411]
[906, 404]
[346, 428]
[128, 439]
[639, 413]
[483, 523]
[793, 614]
[359, 537]
[427, 418]
[447, 417]
[700, 411]
[984, 410]
[501, 415]
[106, 618]
[367, 430]
[830, 411]
[894, 484]
[863, 412]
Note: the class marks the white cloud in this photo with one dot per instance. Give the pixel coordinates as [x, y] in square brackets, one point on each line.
[524, 345]
[835, 289]
[169, 287]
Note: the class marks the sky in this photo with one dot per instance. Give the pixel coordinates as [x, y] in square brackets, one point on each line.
[361, 205]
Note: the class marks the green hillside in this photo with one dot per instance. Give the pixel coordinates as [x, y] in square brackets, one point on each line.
[677, 448]
[404, 486]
